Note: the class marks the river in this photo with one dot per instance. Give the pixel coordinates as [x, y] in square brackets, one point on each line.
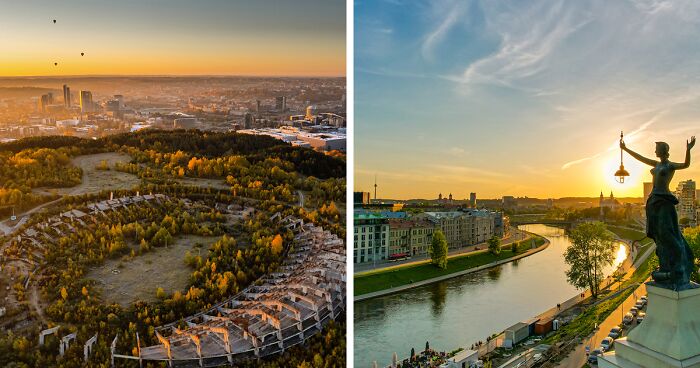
[460, 311]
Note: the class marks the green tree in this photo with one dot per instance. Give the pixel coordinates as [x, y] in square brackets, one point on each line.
[692, 236]
[591, 250]
[495, 245]
[438, 249]
[514, 247]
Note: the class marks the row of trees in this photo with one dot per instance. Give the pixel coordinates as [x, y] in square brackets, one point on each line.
[32, 168]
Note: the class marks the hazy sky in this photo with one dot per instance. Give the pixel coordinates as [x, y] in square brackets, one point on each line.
[261, 37]
[521, 97]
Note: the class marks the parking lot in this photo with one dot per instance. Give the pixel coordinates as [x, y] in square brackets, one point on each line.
[579, 357]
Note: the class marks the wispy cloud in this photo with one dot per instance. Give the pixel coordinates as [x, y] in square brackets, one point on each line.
[615, 145]
[447, 14]
[525, 46]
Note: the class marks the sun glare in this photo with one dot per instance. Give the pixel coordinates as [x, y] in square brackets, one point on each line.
[633, 183]
[621, 255]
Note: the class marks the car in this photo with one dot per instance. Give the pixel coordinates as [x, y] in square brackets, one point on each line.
[641, 301]
[644, 298]
[615, 332]
[593, 358]
[634, 311]
[640, 317]
[639, 305]
[628, 318]
[606, 344]
[538, 357]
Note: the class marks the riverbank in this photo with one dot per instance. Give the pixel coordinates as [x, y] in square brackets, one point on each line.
[382, 283]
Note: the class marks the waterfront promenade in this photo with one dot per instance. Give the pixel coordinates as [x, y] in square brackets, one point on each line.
[397, 289]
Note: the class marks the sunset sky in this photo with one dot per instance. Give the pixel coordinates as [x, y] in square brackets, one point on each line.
[523, 98]
[161, 37]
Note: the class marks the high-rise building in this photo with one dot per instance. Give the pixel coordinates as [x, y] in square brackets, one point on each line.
[472, 200]
[647, 190]
[248, 122]
[686, 207]
[281, 103]
[257, 107]
[66, 96]
[361, 198]
[309, 113]
[45, 101]
[86, 104]
[120, 98]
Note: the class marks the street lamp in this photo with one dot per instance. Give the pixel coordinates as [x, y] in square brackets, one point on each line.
[621, 173]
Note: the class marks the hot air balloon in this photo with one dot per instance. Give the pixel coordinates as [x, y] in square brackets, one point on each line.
[82, 54]
[55, 64]
[54, 21]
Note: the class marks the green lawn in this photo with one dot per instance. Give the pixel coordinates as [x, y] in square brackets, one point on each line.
[633, 235]
[627, 233]
[381, 280]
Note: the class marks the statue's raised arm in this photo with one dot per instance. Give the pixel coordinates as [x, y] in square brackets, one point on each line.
[688, 146]
[636, 155]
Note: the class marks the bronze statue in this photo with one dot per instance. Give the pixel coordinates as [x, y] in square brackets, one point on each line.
[676, 261]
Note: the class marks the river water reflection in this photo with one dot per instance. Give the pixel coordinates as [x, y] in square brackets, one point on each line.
[460, 311]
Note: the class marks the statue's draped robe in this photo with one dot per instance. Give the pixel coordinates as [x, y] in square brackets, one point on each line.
[673, 251]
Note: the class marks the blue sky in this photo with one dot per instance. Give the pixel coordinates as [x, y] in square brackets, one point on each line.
[520, 97]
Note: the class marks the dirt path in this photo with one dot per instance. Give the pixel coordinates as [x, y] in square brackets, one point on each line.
[35, 302]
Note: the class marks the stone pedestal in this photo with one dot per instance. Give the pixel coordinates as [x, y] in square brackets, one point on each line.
[668, 337]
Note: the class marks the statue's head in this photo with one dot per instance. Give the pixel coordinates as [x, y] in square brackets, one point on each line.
[662, 150]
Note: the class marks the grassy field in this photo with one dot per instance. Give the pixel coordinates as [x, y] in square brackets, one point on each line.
[125, 281]
[95, 180]
[382, 280]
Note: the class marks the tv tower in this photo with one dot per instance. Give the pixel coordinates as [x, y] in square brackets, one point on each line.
[375, 187]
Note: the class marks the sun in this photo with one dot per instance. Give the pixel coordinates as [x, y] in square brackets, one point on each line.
[632, 187]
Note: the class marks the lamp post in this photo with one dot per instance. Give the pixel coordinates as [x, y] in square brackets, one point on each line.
[621, 173]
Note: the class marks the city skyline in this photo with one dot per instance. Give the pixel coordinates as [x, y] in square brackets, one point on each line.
[520, 99]
[302, 38]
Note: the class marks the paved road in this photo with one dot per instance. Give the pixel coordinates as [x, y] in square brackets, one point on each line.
[515, 235]
[578, 357]
[7, 227]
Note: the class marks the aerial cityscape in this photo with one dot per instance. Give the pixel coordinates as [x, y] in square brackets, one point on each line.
[522, 184]
[172, 187]
[524, 194]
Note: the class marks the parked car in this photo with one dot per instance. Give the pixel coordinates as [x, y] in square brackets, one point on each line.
[644, 298]
[606, 344]
[593, 358]
[628, 318]
[640, 317]
[615, 332]
[641, 301]
[634, 311]
[538, 357]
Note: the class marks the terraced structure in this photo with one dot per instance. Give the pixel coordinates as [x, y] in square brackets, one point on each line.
[277, 312]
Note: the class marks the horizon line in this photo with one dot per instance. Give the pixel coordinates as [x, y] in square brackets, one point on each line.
[173, 76]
